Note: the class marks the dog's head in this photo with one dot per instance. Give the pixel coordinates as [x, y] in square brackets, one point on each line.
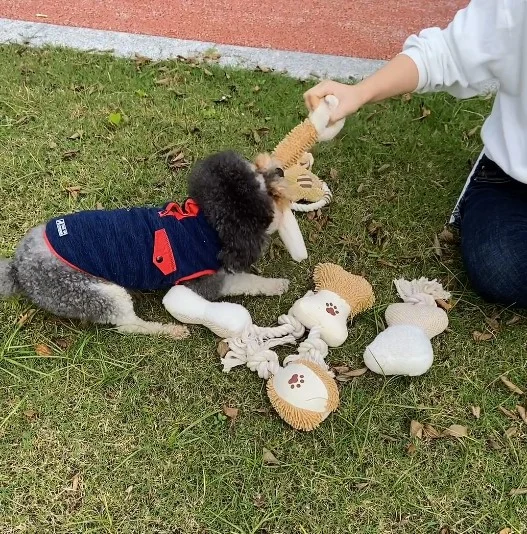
[245, 202]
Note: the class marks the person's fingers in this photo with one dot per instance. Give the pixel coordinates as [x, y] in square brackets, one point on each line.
[311, 99]
[314, 102]
[313, 96]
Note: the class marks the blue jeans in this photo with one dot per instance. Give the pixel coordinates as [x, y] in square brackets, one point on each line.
[493, 224]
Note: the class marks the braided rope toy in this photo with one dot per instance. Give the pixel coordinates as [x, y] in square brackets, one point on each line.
[302, 390]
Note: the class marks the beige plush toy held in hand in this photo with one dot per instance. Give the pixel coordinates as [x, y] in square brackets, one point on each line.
[293, 153]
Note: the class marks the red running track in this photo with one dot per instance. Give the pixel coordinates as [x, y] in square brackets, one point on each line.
[371, 29]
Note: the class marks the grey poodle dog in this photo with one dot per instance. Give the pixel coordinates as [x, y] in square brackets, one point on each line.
[83, 265]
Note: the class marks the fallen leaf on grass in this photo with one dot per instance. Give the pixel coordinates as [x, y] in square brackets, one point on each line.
[416, 429]
[518, 491]
[523, 413]
[74, 191]
[446, 236]
[476, 411]
[75, 482]
[493, 323]
[377, 233]
[437, 247]
[99, 206]
[140, 61]
[231, 413]
[481, 336]
[361, 485]
[512, 387]
[508, 413]
[456, 431]
[511, 432]
[176, 160]
[259, 500]
[411, 449]
[513, 320]
[444, 304]
[26, 317]
[63, 343]
[494, 445]
[70, 154]
[334, 174]
[31, 415]
[506, 530]
[430, 432]
[258, 133]
[76, 135]
[348, 375]
[473, 131]
[115, 119]
[43, 350]
[425, 112]
[162, 81]
[312, 215]
[385, 263]
[269, 458]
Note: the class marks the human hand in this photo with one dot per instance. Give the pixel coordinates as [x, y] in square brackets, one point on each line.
[349, 97]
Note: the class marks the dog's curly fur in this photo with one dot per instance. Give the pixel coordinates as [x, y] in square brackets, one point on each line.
[239, 199]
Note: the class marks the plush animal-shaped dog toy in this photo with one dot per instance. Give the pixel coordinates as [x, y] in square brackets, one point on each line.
[307, 191]
[297, 162]
[404, 348]
[302, 390]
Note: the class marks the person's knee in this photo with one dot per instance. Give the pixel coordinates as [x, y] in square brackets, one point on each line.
[495, 270]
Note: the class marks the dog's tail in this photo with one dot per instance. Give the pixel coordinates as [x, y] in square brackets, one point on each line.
[8, 283]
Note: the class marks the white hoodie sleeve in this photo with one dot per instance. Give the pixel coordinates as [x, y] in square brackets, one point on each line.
[465, 55]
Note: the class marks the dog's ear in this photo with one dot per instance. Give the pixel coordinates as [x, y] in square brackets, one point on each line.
[244, 238]
[240, 255]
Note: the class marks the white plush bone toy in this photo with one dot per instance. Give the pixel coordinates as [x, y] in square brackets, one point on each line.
[404, 348]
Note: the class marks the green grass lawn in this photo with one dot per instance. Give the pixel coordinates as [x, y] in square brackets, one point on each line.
[101, 432]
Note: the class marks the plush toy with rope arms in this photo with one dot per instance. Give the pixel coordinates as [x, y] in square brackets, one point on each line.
[302, 390]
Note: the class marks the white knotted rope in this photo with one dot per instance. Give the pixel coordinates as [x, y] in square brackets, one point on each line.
[421, 291]
[253, 347]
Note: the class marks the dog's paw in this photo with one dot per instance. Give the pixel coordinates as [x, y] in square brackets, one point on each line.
[177, 331]
[276, 286]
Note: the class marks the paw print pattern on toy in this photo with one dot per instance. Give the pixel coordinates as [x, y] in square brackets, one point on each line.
[296, 381]
[332, 308]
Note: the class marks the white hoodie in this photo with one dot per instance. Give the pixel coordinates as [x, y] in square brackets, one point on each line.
[485, 42]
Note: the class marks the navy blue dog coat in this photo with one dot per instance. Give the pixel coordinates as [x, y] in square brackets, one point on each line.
[137, 248]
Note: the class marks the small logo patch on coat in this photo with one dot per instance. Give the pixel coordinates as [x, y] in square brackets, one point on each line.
[61, 227]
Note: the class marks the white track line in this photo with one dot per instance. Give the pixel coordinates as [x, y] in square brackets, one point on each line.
[296, 64]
